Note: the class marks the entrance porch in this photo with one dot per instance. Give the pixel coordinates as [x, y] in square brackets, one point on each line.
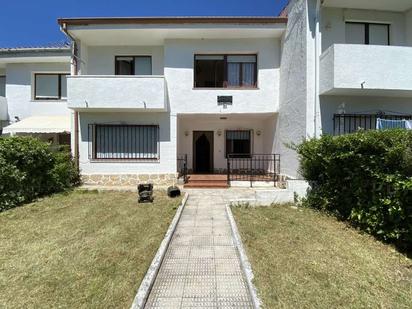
[229, 149]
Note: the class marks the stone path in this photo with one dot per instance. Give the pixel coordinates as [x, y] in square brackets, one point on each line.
[201, 268]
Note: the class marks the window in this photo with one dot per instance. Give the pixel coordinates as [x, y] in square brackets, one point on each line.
[2, 86]
[133, 65]
[50, 86]
[225, 71]
[238, 143]
[124, 142]
[367, 33]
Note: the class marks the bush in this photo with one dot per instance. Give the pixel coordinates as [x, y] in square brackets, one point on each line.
[29, 168]
[365, 178]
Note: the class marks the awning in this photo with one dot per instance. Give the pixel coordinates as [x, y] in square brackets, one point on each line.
[40, 124]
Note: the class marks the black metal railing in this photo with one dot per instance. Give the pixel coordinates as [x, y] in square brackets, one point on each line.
[182, 167]
[350, 123]
[255, 167]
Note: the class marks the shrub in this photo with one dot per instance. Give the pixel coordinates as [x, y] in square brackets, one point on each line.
[365, 178]
[29, 168]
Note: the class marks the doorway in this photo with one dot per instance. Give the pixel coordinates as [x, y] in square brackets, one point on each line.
[203, 152]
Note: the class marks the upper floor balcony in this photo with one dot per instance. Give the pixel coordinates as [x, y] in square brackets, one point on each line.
[348, 69]
[120, 92]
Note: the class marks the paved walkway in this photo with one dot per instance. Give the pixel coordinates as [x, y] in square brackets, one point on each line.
[201, 268]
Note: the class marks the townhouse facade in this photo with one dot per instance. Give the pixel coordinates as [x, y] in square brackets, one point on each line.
[148, 96]
[33, 98]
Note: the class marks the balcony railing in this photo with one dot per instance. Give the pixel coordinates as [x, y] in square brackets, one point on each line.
[87, 92]
[350, 123]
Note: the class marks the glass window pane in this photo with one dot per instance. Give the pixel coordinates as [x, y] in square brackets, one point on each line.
[124, 66]
[238, 143]
[378, 34]
[143, 65]
[248, 74]
[63, 86]
[2, 86]
[241, 58]
[233, 74]
[209, 73]
[47, 86]
[355, 33]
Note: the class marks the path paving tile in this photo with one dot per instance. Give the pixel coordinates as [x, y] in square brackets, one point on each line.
[201, 268]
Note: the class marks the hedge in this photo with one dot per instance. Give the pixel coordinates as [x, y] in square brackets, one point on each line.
[30, 168]
[365, 178]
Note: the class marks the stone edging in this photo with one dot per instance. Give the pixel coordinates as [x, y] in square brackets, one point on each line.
[244, 262]
[148, 280]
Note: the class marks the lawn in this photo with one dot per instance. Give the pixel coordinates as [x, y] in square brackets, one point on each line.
[305, 259]
[80, 249]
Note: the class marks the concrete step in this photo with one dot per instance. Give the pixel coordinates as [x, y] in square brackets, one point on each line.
[206, 184]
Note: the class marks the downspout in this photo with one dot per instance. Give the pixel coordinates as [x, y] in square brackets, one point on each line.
[317, 60]
[74, 71]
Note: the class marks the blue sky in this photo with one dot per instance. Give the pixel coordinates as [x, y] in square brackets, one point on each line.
[33, 22]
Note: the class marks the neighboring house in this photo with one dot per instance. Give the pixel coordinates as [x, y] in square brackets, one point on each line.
[33, 99]
[149, 91]
[344, 64]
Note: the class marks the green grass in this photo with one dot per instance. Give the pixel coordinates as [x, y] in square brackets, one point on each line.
[305, 259]
[80, 250]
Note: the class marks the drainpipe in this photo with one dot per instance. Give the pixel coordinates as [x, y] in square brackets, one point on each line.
[74, 71]
[317, 60]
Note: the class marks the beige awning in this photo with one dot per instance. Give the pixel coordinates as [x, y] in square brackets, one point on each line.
[40, 124]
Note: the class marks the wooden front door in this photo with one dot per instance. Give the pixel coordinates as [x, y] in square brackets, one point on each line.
[203, 152]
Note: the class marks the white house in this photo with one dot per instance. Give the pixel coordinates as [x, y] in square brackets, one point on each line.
[152, 98]
[344, 63]
[148, 91]
[33, 92]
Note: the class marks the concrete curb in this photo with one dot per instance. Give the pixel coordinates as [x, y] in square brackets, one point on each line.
[244, 262]
[150, 277]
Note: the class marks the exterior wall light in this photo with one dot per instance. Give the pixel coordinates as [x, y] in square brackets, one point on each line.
[219, 132]
[258, 133]
[186, 133]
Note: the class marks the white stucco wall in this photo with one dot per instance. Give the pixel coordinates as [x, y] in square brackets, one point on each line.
[346, 67]
[361, 105]
[296, 84]
[167, 127]
[19, 93]
[333, 24]
[260, 144]
[179, 62]
[100, 60]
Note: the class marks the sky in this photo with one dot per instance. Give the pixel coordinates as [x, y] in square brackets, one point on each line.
[34, 22]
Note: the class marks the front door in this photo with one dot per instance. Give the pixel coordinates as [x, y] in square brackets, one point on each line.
[203, 152]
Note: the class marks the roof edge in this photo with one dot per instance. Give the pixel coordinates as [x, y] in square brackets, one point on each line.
[174, 20]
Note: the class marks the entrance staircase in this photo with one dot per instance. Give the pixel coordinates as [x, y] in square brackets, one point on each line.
[206, 181]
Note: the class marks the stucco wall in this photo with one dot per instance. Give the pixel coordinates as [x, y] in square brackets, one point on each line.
[362, 105]
[294, 86]
[179, 62]
[19, 90]
[167, 127]
[362, 67]
[333, 24]
[101, 59]
[260, 144]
